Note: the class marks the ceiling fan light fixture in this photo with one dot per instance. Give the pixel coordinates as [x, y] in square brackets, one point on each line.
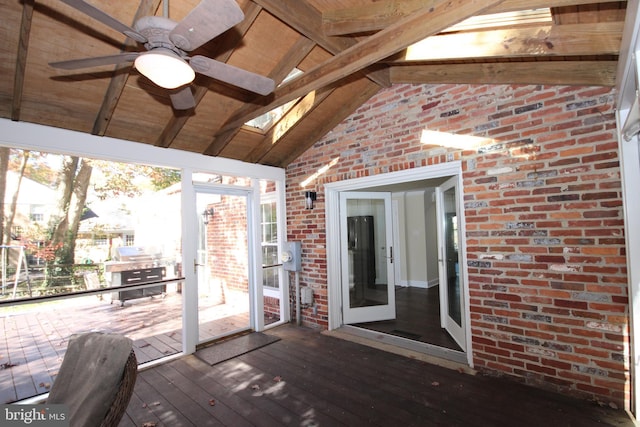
[165, 68]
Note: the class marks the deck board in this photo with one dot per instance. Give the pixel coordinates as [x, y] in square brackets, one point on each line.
[209, 381]
[33, 339]
[311, 379]
[217, 409]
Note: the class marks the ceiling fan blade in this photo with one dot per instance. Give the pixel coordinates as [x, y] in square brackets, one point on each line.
[182, 99]
[206, 21]
[106, 19]
[75, 64]
[232, 75]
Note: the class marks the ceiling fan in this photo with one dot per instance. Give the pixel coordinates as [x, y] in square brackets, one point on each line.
[166, 62]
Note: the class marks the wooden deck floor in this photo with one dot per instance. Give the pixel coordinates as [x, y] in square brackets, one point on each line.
[33, 340]
[311, 379]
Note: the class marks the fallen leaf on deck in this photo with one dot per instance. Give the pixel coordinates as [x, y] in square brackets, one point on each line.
[212, 402]
[45, 385]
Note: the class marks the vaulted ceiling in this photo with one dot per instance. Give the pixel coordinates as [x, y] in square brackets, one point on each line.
[347, 49]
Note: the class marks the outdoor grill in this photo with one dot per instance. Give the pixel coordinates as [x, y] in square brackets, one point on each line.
[134, 265]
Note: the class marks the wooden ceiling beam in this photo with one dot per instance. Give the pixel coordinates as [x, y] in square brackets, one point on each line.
[180, 118]
[296, 54]
[378, 15]
[587, 73]
[307, 20]
[549, 40]
[340, 114]
[21, 58]
[119, 79]
[404, 32]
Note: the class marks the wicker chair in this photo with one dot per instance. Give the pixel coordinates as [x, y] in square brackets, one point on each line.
[96, 379]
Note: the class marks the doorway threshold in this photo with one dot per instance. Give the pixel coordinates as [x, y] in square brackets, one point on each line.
[416, 350]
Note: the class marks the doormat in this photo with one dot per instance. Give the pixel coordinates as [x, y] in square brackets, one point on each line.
[405, 334]
[234, 347]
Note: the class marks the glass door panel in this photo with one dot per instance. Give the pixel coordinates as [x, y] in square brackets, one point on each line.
[368, 291]
[222, 265]
[451, 285]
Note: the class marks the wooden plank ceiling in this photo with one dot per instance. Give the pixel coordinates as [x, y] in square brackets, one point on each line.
[347, 49]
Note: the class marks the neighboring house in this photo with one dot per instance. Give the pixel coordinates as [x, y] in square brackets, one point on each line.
[131, 221]
[110, 225]
[107, 224]
[34, 203]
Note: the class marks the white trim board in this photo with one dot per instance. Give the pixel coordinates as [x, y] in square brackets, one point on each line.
[627, 94]
[31, 136]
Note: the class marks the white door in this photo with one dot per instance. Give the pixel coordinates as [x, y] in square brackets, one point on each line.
[451, 281]
[366, 239]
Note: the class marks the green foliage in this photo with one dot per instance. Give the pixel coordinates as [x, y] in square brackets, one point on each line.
[41, 168]
[124, 179]
[162, 178]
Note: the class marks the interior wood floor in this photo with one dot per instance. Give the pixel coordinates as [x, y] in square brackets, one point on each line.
[312, 379]
[417, 318]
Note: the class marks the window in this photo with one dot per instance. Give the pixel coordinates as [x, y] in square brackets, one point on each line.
[37, 213]
[129, 239]
[269, 235]
[265, 121]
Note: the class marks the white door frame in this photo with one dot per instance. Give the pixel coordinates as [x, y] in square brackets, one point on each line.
[627, 78]
[332, 204]
[189, 250]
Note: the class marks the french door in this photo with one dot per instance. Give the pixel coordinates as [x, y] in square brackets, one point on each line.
[451, 280]
[222, 263]
[366, 238]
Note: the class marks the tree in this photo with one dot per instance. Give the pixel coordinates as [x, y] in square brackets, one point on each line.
[126, 179]
[4, 167]
[72, 177]
[73, 186]
[6, 237]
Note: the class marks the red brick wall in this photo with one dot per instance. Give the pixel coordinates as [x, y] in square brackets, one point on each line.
[271, 309]
[545, 236]
[227, 243]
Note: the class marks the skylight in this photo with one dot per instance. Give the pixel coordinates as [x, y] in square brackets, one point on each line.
[472, 37]
[265, 121]
[504, 19]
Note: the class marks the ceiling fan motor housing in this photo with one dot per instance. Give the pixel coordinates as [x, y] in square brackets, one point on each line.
[157, 29]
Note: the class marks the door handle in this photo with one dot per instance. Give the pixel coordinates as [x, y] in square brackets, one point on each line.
[196, 265]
